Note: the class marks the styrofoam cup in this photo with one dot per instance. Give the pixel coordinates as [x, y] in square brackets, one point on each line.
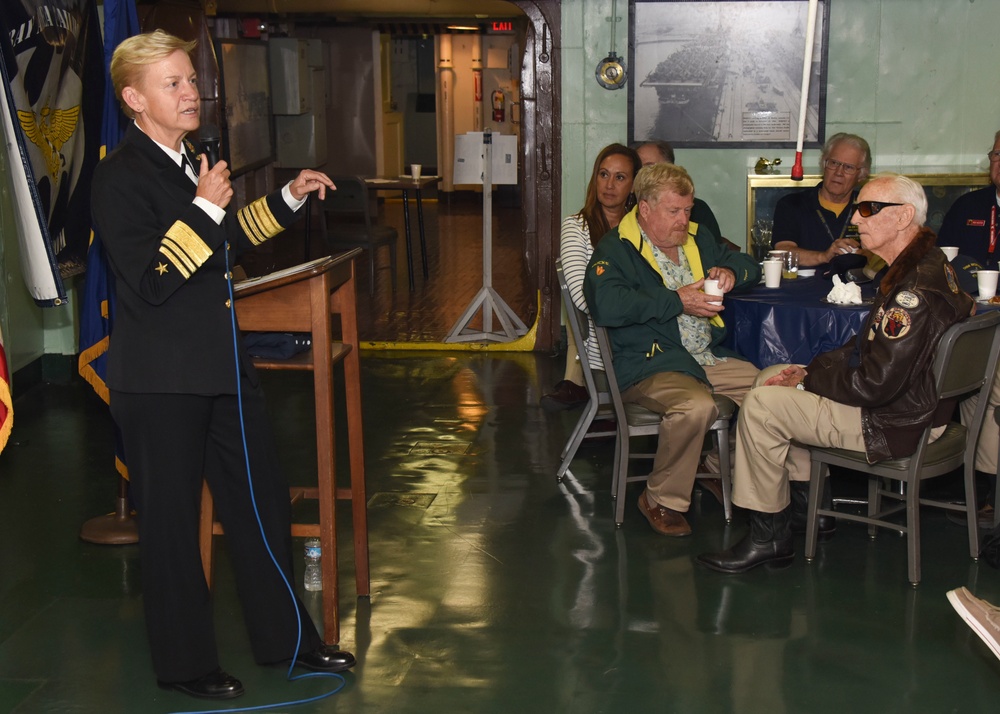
[951, 251]
[711, 287]
[987, 280]
[415, 170]
[772, 272]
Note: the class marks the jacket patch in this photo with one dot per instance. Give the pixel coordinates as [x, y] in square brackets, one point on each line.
[907, 299]
[949, 274]
[895, 323]
[599, 267]
[979, 223]
[875, 323]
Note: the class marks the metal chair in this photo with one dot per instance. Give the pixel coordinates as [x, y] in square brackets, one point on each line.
[634, 420]
[965, 362]
[595, 381]
[347, 223]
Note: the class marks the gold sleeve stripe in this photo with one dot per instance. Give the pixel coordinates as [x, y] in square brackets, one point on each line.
[177, 261]
[258, 222]
[185, 242]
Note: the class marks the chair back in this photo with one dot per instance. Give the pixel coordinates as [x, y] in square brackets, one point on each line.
[579, 324]
[966, 362]
[349, 203]
[964, 355]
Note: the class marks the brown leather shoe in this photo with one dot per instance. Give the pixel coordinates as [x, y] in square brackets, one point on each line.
[567, 395]
[664, 521]
[713, 486]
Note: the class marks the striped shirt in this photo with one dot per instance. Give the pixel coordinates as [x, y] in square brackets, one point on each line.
[575, 250]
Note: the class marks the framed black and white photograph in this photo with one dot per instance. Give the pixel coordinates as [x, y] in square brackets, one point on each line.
[247, 139]
[720, 73]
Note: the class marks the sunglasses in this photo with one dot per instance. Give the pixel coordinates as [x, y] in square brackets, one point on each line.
[870, 208]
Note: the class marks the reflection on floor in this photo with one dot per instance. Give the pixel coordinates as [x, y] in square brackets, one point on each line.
[494, 589]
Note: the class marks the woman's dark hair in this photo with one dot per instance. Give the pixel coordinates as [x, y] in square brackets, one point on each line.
[597, 223]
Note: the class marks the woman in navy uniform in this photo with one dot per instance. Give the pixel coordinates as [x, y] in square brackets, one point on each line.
[174, 363]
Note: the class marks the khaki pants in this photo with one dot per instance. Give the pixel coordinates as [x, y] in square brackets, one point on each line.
[989, 435]
[774, 426]
[687, 409]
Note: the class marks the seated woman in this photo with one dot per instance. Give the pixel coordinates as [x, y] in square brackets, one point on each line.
[609, 198]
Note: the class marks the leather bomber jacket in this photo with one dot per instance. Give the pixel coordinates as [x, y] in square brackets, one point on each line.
[887, 369]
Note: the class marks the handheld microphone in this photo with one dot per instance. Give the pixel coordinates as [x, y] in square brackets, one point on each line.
[210, 141]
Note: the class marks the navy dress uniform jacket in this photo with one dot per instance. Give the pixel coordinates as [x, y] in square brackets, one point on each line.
[173, 331]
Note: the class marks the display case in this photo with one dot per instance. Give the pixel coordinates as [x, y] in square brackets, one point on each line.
[941, 186]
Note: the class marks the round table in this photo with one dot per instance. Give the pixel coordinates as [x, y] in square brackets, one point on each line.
[791, 323]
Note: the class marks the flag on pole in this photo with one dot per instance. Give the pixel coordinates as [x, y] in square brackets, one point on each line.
[98, 299]
[6, 404]
[48, 53]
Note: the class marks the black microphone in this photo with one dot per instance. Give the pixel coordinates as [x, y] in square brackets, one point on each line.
[210, 140]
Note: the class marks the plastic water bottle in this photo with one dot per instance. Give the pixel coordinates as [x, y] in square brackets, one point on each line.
[314, 569]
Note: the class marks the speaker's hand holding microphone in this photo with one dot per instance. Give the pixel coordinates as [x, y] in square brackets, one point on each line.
[213, 176]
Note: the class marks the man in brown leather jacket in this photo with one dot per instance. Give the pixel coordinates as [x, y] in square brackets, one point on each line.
[875, 394]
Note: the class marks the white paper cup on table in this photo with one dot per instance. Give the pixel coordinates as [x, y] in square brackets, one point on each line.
[415, 170]
[772, 272]
[987, 280]
[951, 251]
[711, 287]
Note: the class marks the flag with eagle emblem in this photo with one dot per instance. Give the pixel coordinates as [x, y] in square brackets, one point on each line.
[51, 51]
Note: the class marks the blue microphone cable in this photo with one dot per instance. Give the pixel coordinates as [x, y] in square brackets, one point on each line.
[253, 498]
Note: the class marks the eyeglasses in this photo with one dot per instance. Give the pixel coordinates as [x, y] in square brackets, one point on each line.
[833, 165]
[870, 208]
[993, 156]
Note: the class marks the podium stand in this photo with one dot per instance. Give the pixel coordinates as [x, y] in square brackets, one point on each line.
[487, 298]
[301, 299]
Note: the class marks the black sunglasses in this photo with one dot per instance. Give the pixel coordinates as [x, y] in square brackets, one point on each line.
[870, 208]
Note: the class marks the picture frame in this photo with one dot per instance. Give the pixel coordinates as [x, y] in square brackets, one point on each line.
[725, 73]
[245, 93]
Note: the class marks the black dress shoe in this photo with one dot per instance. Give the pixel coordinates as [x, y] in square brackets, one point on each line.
[215, 685]
[326, 659]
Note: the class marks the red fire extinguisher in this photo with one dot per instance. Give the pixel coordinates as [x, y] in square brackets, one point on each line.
[498, 102]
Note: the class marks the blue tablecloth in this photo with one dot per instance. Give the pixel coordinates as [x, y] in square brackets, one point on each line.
[791, 324]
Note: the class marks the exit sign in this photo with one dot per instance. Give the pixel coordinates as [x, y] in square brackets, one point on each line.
[500, 27]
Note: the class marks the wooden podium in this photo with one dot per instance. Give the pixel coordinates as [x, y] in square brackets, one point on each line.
[302, 299]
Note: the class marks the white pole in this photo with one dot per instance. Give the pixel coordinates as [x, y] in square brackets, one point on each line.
[797, 172]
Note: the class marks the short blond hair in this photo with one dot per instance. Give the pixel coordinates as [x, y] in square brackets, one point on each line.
[652, 180]
[139, 51]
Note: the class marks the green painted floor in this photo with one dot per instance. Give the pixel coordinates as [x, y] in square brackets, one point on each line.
[494, 589]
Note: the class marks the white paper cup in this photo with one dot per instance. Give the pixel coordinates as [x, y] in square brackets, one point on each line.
[711, 287]
[772, 272]
[987, 280]
[950, 250]
[415, 170]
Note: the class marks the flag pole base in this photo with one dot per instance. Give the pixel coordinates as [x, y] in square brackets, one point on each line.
[118, 528]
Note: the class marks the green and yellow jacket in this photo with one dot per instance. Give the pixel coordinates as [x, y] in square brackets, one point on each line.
[625, 293]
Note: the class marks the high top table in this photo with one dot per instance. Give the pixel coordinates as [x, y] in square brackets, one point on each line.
[407, 184]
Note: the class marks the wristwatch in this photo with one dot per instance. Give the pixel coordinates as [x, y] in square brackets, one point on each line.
[801, 386]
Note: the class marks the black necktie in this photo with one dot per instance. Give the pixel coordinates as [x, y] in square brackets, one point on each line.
[185, 164]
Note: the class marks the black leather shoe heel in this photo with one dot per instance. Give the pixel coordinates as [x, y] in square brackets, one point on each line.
[215, 685]
[326, 659]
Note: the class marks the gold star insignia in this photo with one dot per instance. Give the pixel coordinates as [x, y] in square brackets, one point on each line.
[161, 268]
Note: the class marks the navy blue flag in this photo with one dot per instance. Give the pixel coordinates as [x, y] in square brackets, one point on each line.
[50, 52]
[98, 299]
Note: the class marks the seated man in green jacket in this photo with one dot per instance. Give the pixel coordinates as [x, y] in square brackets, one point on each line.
[644, 283]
